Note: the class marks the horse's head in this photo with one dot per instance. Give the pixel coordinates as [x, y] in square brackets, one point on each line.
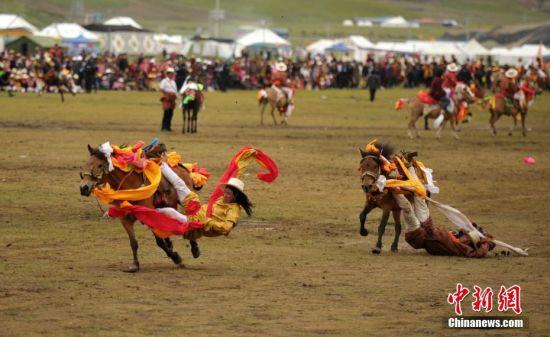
[372, 159]
[98, 167]
[156, 151]
[464, 92]
[369, 167]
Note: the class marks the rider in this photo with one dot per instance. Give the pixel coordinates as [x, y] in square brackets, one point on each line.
[508, 87]
[280, 82]
[422, 233]
[438, 94]
[226, 210]
[190, 83]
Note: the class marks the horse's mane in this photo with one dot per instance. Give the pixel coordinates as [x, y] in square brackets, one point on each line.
[98, 154]
[386, 149]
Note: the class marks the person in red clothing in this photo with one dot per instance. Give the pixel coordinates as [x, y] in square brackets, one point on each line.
[449, 78]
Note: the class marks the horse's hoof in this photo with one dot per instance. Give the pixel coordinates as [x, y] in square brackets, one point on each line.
[509, 134]
[364, 232]
[394, 249]
[376, 250]
[195, 251]
[132, 269]
[177, 259]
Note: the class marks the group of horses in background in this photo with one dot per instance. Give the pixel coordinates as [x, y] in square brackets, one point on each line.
[464, 97]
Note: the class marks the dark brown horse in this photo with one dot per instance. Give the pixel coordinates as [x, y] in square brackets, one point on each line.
[59, 81]
[369, 167]
[119, 180]
[191, 109]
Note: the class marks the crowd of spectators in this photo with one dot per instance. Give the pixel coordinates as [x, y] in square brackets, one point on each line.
[121, 72]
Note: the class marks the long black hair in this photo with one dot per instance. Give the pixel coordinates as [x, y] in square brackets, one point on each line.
[241, 199]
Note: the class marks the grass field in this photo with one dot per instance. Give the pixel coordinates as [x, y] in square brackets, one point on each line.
[298, 267]
[306, 20]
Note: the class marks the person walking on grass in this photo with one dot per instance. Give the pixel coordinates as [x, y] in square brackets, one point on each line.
[169, 91]
[373, 83]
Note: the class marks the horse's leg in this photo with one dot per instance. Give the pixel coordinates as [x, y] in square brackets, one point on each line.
[381, 230]
[412, 126]
[166, 246]
[262, 110]
[513, 127]
[453, 123]
[189, 121]
[183, 113]
[397, 219]
[523, 127]
[273, 114]
[61, 93]
[195, 117]
[494, 118]
[128, 224]
[426, 126]
[195, 250]
[363, 217]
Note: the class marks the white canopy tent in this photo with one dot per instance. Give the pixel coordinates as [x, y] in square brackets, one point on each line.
[64, 31]
[525, 54]
[11, 22]
[123, 21]
[318, 47]
[473, 49]
[259, 37]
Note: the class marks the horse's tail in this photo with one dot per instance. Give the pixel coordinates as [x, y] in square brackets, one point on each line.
[400, 103]
[261, 96]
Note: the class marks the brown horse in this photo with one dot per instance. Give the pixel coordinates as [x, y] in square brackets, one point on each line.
[418, 109]
[277, 100]
[191, 110]
[165, 196]
[369, 167]
[498, 107]
[52, 79]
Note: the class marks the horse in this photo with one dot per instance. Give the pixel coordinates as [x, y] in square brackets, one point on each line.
[277, 99]
[99, 174]
[418, 109]
[369, 167]
[191, 108]
[52, 79]
[498, 108]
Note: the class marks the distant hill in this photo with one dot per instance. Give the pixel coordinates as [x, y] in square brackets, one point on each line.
[508, 35]
[305, 19]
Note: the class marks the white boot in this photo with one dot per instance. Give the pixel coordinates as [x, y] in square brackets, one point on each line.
[176, 181]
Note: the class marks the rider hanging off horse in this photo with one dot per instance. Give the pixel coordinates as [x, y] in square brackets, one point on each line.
[147, 184]
[279, 96]
[407, 181]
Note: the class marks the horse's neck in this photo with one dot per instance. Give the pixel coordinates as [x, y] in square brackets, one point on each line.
[121, 180]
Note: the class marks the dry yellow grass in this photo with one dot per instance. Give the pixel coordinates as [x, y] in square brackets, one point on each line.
[298, 267]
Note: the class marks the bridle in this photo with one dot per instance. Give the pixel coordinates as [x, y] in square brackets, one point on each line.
[371, 174]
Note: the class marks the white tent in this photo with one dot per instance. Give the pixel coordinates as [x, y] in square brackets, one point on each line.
[123, 21]
[359, 41]
[526, 54]
[319, 46]
[13, 22]
[260, 36]
[65, 31]
[398, 22]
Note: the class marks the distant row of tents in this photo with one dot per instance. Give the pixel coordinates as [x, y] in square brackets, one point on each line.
[125, 35]
[357, 48]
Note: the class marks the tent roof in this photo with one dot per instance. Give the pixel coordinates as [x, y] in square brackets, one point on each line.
[340, 47]
[320, 45]
[67, 31]
[42, 41]
[473, 47]
[11, 21]
[263, 36]
[123, 21]
[360, 41]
